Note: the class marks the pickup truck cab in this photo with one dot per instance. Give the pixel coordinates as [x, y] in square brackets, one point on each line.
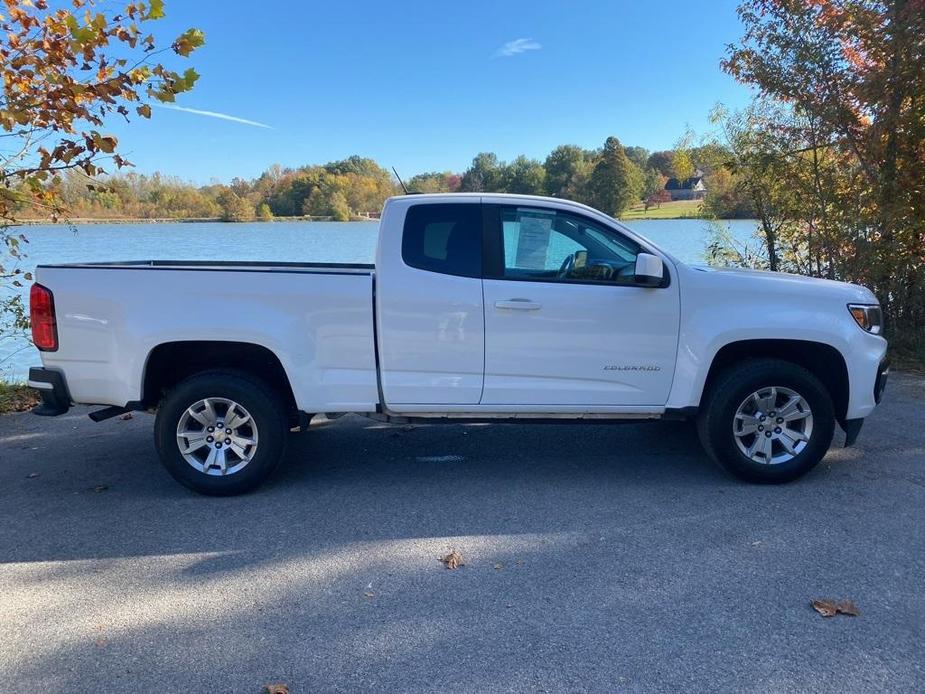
[479, 307]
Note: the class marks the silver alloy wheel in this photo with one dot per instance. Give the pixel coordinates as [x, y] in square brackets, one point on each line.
[217, 436]
[773, 425]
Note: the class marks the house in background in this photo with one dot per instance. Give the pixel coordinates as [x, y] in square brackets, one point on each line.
[689, 189]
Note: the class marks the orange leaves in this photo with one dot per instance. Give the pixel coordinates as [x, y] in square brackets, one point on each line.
[63, 72]
[830, 608]
[102, 143]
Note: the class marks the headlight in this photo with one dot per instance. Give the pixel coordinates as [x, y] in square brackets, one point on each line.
[868, 317]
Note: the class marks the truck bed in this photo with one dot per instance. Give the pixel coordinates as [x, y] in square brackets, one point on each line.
[315, 318]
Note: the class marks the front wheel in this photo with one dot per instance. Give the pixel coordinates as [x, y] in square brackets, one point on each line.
[767, 421]
[221, 433]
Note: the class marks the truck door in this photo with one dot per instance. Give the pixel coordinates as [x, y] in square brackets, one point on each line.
[564, 323]
[431, 325]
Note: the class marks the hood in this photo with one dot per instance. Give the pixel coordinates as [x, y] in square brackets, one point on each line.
[739, 279]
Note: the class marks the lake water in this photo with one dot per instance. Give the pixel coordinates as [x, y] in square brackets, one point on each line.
[333, 242]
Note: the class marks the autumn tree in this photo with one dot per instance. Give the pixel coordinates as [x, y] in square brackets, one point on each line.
[682, 162]
[435, 182]
[337, 204]
[234, 208]
[65, 71]
[852, 77]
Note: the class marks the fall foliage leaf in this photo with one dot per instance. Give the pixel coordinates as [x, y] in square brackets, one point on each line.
[155, 9]
[830, 608]
[453, 560]
[64, 70]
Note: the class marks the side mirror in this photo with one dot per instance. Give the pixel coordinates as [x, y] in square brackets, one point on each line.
[649, 270]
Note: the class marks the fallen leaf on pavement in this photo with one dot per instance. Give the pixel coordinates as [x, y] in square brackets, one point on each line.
[100, 488]
[499, 566]
[369, 594]
[830, 608]
[453, 560]
[127, 415]
[278, 688]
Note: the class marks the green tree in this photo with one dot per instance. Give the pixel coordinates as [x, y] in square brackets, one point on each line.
[661, 162]
[568, 169]
[612, 183]
[652, 183]
[638, 155]
[263, 212]
[483, 175]
[523, 176]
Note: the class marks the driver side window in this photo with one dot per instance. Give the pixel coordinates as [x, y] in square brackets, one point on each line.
[547, 245]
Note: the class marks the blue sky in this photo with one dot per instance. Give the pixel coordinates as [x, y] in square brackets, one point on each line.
[426, 85]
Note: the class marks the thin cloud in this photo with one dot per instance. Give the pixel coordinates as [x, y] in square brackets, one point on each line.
[214, 114]
[516, 47]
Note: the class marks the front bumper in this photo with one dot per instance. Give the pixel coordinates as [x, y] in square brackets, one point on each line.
[883, 373]
[55, 397]
[852, 427]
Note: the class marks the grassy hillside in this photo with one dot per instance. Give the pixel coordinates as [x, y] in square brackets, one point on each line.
[678, 209]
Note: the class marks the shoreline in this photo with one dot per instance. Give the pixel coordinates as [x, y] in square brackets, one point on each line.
[285, 220]
[179, 220]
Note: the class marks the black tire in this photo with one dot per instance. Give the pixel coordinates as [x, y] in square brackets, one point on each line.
[265, 407]
[730, 389]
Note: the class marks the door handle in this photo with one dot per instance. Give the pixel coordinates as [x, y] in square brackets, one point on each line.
[519, 305]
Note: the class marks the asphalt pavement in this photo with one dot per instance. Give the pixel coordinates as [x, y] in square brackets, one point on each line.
[596, 558]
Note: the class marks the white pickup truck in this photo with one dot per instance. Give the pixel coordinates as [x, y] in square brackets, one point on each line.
[479, 307]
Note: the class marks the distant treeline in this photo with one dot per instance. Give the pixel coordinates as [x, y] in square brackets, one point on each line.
[612, 178]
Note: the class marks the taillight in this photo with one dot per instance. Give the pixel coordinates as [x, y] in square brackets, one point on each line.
[42, 317]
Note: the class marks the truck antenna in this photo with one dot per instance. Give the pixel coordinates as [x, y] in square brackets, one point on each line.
[400, 181]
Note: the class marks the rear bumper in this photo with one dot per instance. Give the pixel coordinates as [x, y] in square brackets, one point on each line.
[55, 397]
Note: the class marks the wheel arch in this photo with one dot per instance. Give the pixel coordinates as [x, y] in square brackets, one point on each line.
[822, 360]
[171, 362]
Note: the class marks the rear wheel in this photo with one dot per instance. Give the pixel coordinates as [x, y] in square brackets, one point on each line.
[767, 421]
[221, 432]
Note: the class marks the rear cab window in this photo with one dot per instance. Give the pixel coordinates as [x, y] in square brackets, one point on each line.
[444, 238]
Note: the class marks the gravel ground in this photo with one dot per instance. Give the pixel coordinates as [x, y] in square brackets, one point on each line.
[597, 558]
